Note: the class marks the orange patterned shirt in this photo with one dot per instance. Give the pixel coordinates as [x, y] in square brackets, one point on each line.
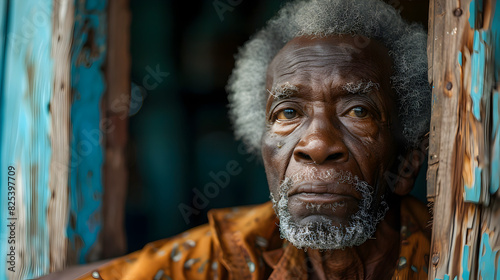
[244, 243]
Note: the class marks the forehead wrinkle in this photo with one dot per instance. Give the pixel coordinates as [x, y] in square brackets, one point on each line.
[312, 61]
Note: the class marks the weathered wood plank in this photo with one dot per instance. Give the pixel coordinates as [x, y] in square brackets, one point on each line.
[57, 216]
[435, 25]
[476, 161]
[116, 103]
[88, 86]
[468, 246]
[26, 131]
[455, 233]
[489, 263]
[495, 143]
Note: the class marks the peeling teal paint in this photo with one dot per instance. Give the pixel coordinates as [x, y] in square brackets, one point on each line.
[465, 263]
[486, 267]
[495, 30]
[475, 8]
[459, 58]
[88, 85]
[25, 143]
[472, 193]
[445, 277]
[495, 150]
[472, 17]
[477, 72]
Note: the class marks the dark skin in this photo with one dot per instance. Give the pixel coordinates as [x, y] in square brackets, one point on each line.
[319, 123]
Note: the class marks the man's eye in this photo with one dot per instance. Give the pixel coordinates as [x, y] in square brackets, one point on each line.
[358, 112]
[286, 114]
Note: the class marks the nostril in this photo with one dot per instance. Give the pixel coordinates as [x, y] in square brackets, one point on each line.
[335, 156]
[304, 156]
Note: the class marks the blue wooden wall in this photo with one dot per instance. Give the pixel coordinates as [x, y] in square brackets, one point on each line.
[52, 61]
[88, 56]
[26, 92]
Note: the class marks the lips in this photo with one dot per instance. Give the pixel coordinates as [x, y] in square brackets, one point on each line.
[322, 191]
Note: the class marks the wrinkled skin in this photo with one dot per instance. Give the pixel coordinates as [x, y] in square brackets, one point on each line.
[318, 123]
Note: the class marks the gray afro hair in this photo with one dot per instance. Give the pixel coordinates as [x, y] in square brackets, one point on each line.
[370, 18]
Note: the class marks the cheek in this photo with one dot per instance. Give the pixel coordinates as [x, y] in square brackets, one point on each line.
[374, 154]
[276, 151]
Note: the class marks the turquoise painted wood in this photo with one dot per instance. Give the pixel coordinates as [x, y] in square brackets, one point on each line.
[465, 263]
[88, 86]
[495, 131]
[25, 143]
[495, 139]
[479, 95]
[473, 193]
[487, 257]
[478, 66]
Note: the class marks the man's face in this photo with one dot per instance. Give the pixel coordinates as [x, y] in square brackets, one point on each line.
[329, 139]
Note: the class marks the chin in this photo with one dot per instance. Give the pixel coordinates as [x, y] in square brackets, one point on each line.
[319, 228]
[339, 213]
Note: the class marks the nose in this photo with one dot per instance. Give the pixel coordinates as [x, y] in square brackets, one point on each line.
[322, 143]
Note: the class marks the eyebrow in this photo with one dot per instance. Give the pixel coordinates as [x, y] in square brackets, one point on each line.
[283, 91]
[287, 90]
[361, 87]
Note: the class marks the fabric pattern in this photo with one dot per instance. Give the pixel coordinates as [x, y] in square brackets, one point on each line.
[244, 243]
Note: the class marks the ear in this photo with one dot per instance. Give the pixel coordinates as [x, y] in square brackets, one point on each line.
[409, 166]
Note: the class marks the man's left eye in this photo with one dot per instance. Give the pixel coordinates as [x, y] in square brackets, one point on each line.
[358, 112]
[286, 114]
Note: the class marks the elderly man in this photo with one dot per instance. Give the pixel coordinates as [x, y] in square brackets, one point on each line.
[331, 94]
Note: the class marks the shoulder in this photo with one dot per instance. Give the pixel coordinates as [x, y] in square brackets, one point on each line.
[194, 254]
[415, 240]
[416, 215]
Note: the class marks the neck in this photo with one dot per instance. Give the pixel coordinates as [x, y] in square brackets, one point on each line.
[374, 259]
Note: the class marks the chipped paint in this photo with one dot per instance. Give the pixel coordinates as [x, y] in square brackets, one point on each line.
[495, 144]
[88, 85]
[25, 123]
[472, 12]
[477, 72]
[465, 263]
[495, 30]
[473, 193]
[487, 256]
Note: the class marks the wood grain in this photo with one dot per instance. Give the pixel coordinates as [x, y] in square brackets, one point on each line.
[26, 134]
[466, 216]
[57, 213]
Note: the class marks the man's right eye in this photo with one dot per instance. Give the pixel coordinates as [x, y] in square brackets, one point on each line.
[286, 114]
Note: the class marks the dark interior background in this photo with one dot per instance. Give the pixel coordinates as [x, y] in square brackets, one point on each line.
[179, 130]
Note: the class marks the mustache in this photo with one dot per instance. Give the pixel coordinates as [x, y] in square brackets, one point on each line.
[308, 174]
[312, 174]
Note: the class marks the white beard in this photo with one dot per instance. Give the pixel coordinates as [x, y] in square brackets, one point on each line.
[323, 234]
